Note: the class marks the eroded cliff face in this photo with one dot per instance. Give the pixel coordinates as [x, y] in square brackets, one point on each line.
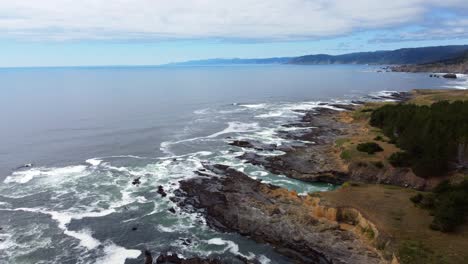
[302, 228]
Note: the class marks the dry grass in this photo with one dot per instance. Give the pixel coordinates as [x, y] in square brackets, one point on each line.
[427, 97]
[390, 209]
[362, 132]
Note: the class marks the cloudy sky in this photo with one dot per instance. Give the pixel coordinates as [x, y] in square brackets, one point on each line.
[148, 32]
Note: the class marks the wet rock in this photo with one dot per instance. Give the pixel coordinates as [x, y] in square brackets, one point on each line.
[344, 106]
[161, 191]
[232, 201]
[134, 228]
[136, 181]
[175, 259]
[186, 241]
[172, 210]
[253, 145]
[311, 162]
[241, 143]
[450, 76]
[148, 257]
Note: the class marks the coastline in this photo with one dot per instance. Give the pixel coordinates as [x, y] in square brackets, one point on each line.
[345, 221]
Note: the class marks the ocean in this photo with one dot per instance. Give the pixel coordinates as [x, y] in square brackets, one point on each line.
[90, 131]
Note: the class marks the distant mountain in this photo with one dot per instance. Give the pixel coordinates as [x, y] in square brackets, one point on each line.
[458, 64]
[399, 56]
[281, 60]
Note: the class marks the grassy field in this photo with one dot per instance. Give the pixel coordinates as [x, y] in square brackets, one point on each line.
[362, 132]
[426, 96]
[389, 207]
[407, 226]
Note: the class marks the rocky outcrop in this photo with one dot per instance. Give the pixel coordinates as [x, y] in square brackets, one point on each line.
[175, 259]
[450, 76]
[252, 145]
[403, 177]
[314, 160]
[298, 227]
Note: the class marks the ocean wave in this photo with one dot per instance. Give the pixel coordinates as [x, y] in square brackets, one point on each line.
[24, 176]
[118, 255]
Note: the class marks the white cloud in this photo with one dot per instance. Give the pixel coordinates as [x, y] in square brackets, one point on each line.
[172, 19]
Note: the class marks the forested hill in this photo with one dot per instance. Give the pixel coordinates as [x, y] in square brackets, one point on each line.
[400, 56]
[458, 64]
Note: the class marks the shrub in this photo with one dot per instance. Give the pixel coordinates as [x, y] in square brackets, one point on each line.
[379, 138]
[378, 164]
[346, 155]
[415, 252]
[417, 198]
[399, 159]
[369, 147]
[448, 204]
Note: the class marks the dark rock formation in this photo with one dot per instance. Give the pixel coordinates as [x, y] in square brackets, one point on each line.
[235, 202]
[174, 259]
[313, 162]
[450, 76]
[136, 181]
[241, 143]
[161, 191]
[148, 257]
[252, 145]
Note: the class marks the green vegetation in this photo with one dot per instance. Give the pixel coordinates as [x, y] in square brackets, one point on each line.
[379, 138]
[399, 159]
[415, 252]
[448, 203]
[339, 142]
[430, 135]
[378, 164]
[346, 155]
[369, 147]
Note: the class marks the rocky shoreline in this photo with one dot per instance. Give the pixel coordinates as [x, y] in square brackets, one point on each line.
[303, 228]
[295, 226]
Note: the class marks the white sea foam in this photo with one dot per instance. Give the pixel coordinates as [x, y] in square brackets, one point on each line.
[259, 173]
[236, 127]
[271, 114]
[165, 229]
[254, 105]
[263, 259]
[117, 255]
[233, 127]
[64, 218]
[94, 161]
[24, 176]
[230, 246]
[201, 111]
[6, 242]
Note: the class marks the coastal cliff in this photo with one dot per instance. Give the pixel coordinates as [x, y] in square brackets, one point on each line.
[458, 64]
[370, 219]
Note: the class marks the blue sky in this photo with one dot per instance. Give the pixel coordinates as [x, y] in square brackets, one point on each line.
[150, 32]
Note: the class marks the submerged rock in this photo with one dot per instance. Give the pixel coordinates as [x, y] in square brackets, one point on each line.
[136, 181]
[161, 191]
